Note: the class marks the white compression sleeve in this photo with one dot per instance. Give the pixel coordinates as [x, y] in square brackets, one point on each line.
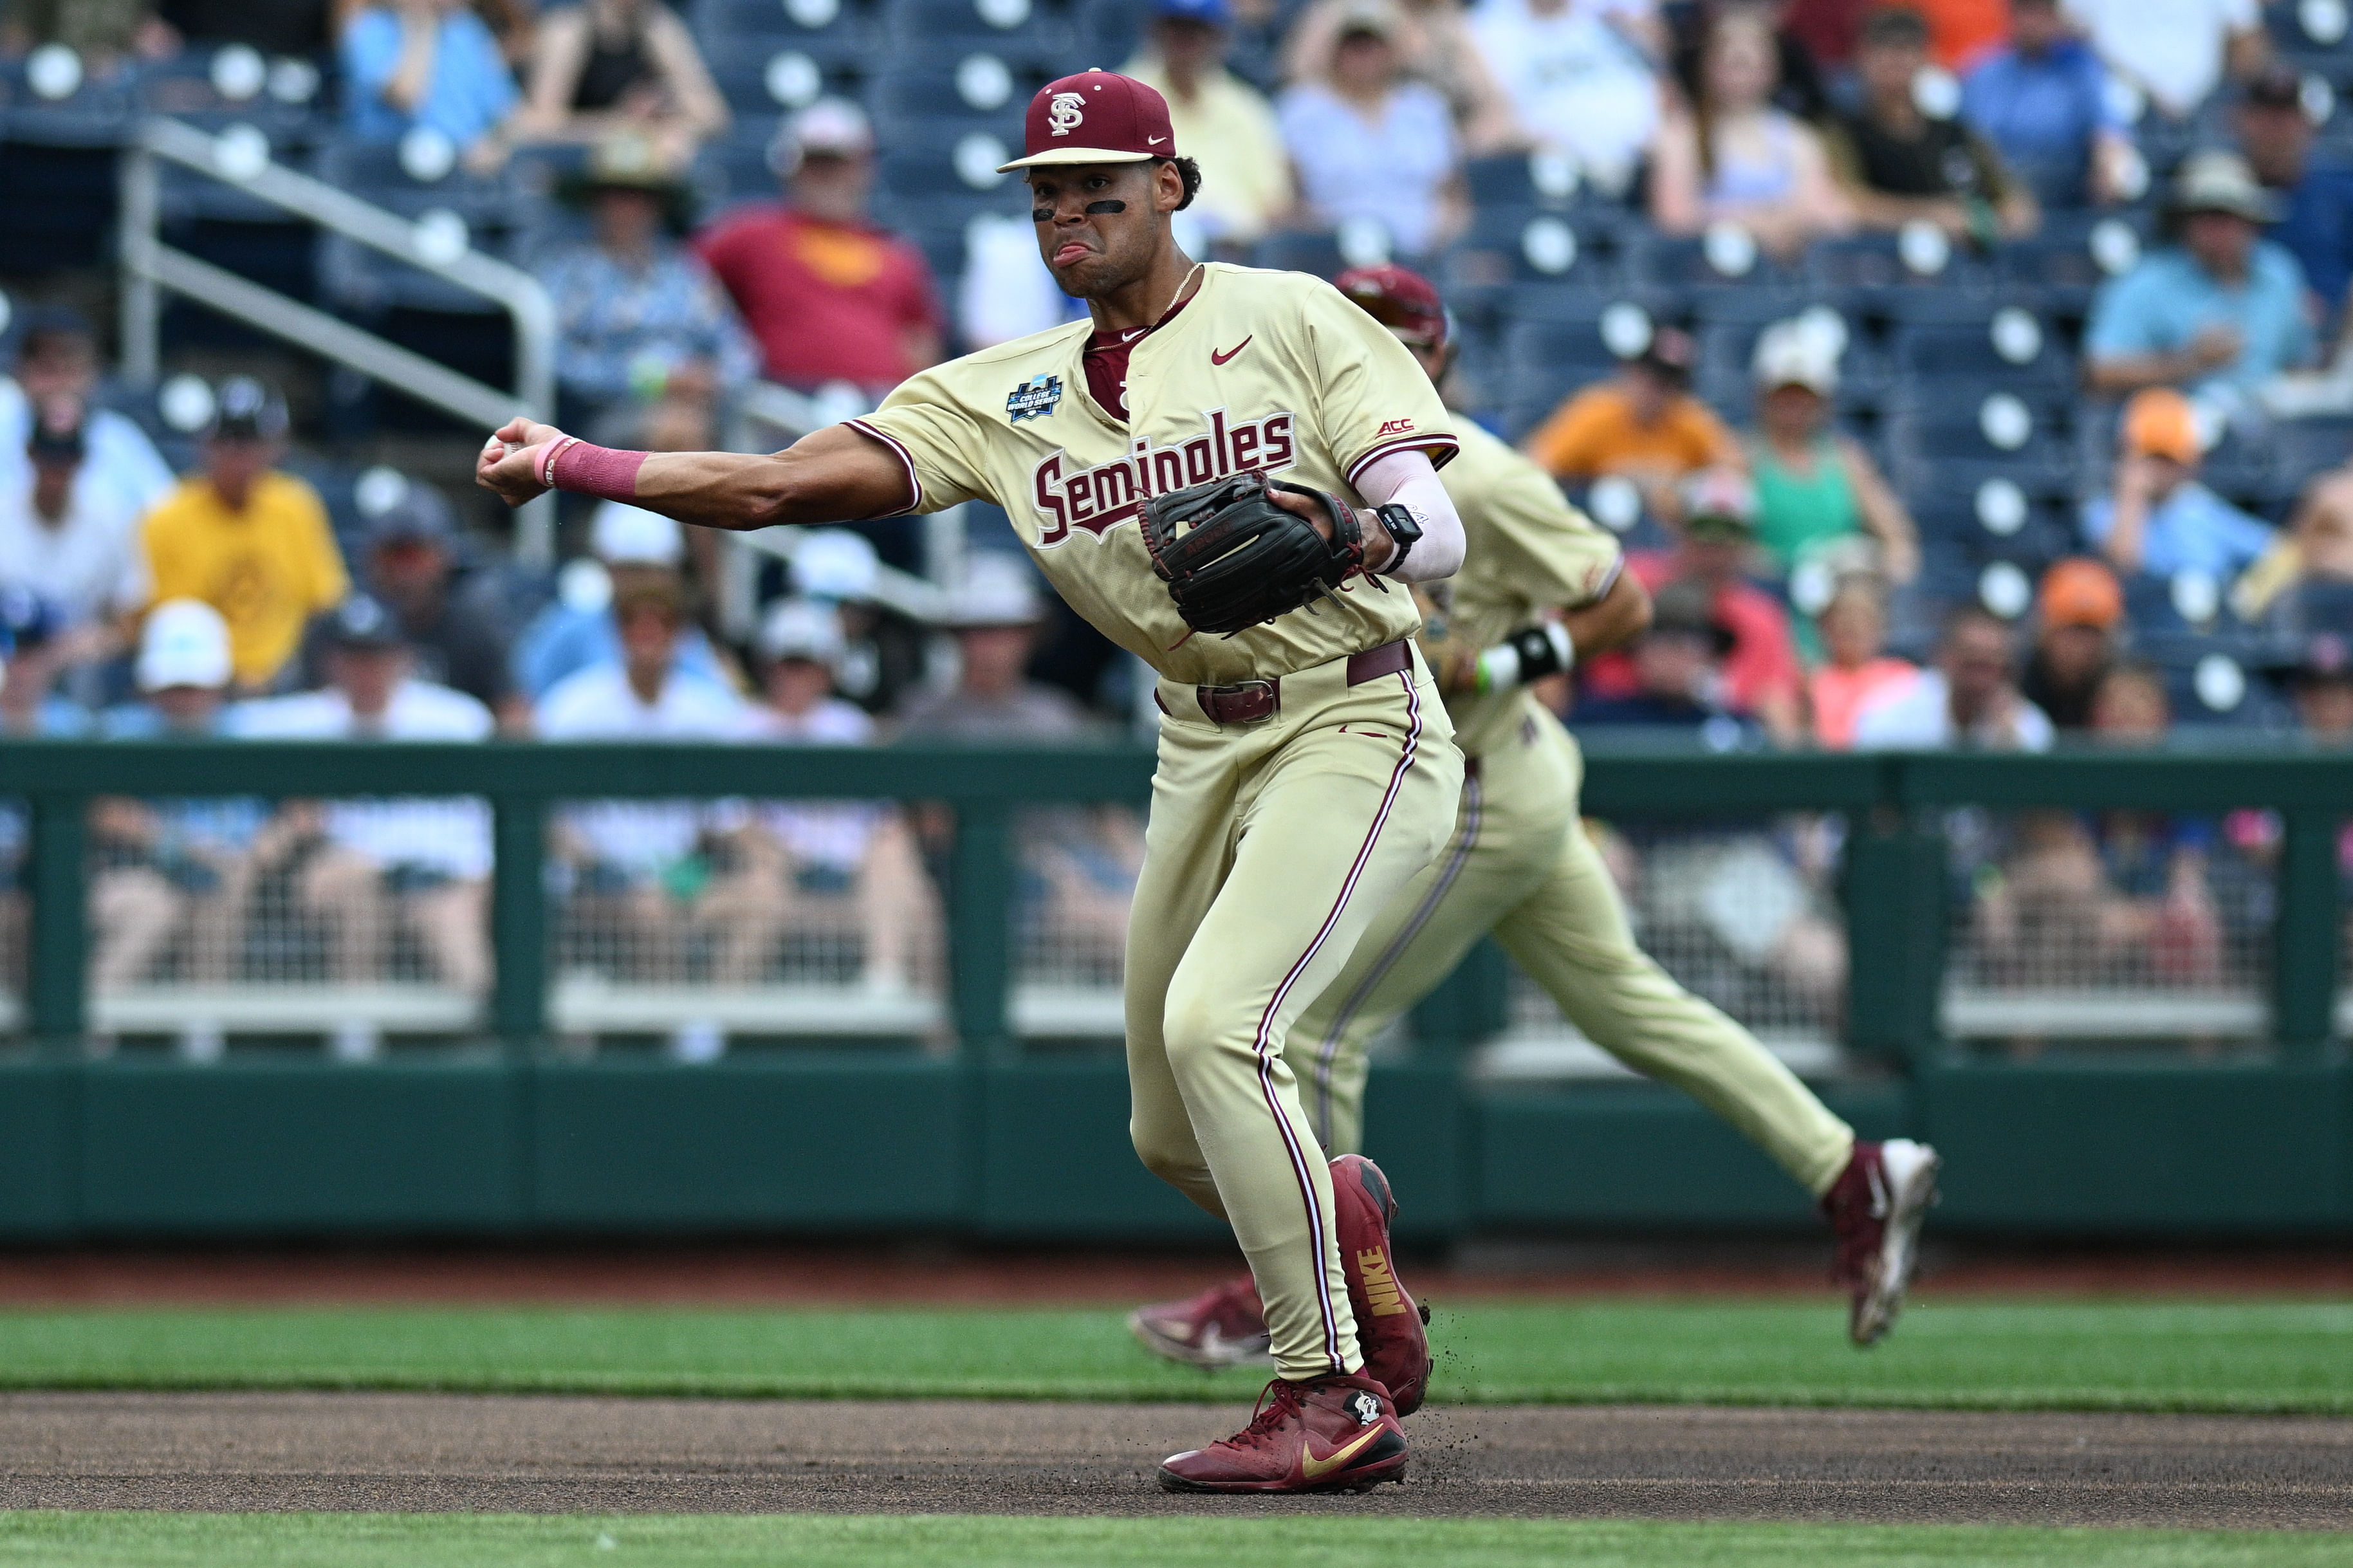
[1407, 479]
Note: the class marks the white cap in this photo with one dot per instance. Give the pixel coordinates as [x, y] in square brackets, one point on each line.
[795, 628]
[833, 564]
[634, 536]
[998, 591]
[830, 125]
[1797, 353]
[185, 643]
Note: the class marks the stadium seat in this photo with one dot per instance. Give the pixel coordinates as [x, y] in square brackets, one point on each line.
[2062, 267]
[54, 100]
[1680, 274]
[838, 36]
[761, 84]
[1020, 32]
[1874, 274]
[492, 209]
[2015, 344]
[1523, 180]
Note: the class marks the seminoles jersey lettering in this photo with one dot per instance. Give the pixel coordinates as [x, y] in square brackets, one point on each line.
[1316, 392]
[1102, 498]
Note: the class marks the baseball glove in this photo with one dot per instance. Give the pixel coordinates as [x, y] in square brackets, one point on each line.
[1233, 560]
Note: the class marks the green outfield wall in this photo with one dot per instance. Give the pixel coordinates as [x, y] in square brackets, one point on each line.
[507, 1135]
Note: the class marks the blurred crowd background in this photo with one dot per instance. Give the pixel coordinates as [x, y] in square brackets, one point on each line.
[1966, 373]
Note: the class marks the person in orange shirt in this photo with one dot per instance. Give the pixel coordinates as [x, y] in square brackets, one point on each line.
[1643, 422]
[1853, 627]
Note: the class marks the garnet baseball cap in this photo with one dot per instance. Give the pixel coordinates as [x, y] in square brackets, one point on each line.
[1399, 298]
[1094, 117]
[2161, 423]
[2081, 592]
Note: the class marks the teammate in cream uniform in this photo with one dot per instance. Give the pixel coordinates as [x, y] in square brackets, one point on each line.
[1519, 866]
[1307, 771]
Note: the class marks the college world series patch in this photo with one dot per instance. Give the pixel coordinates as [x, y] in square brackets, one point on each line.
[1034, 399]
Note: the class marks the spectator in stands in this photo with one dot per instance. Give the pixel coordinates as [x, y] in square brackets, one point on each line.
[639, 870]
[412, 562]
[32, 655]
[1079, 863]
[1969, 698]
[2042, 102]
[2079, 620]
[1223, 123]
[364, 867]
[650, 343]
[174, 866]
[838, 868]
[2157, 517]
[1855, 668]
[430, 64]
[71, 538]
[1675, 673]
[630, 548]
[56, 356]
[1372, 145]
[1815, 485]
[2304, 581]
[104, 33]
[2176, 51]
[2320, 684]
[2222, 309]
[2313, 200]
[1734, 157]
[1760, 671]
[1581, 75]
[1901, 165]
[604, 67]
[1643, 422]
[829, 294]
[1435, 44]
[247, 540]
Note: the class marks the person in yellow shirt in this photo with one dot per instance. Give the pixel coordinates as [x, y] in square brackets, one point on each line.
[252, 543]
[1643, 422]
[1224, 124]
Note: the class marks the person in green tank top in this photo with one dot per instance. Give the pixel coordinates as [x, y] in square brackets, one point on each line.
[1814, 485]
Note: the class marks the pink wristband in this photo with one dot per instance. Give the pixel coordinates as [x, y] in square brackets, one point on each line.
[597, 471]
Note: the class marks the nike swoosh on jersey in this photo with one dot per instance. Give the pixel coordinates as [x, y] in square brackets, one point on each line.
[1315, 1469]
[1217, 358]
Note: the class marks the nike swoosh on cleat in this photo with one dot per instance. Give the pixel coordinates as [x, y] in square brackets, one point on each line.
[1315, 1469]
[1217, 358]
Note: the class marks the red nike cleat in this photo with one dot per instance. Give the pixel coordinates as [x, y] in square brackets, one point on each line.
[1333, 1434]
[1223, 1326]
[1875, 1207]
[1389, 1324]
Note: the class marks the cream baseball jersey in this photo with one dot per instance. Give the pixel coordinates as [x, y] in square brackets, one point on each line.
[1526, 549]
[1272, 370]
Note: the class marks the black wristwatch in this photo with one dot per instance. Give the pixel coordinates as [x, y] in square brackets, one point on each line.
[1403, 532]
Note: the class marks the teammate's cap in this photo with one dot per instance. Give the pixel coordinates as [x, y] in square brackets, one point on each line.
[1094, 117]
[797, 628]
[623, 534]
[1399, 298]
[2161, 423]
[2081, 592]
[184, 643]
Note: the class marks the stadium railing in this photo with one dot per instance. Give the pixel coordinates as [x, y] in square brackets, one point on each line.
[2071, 1093]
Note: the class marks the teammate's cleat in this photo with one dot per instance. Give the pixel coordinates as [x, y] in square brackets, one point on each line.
[1223, 1326]
[1877, 1206]
[1389, 1322]
[1331, 1433]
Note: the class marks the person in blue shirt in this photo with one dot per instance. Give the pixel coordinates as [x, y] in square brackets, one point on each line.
[2042, 102]
[2158, 518]
[2314, 200]
[427, 63]
[632, 548]
[2220, 311]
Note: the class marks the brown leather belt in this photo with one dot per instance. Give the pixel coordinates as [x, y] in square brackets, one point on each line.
[1252, 702]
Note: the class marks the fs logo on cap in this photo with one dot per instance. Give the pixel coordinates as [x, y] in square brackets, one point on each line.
[1034, 399]
[1065, 112]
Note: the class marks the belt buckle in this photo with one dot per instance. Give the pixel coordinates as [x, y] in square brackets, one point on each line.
[1243, 702]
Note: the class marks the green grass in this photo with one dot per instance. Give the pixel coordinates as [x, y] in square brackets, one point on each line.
[1974, 1354]
[657, 1540]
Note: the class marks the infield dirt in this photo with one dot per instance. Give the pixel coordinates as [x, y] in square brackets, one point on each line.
[531, 1453]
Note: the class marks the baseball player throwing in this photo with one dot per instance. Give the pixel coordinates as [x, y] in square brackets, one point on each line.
[1307, 770]
[1541, 584]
